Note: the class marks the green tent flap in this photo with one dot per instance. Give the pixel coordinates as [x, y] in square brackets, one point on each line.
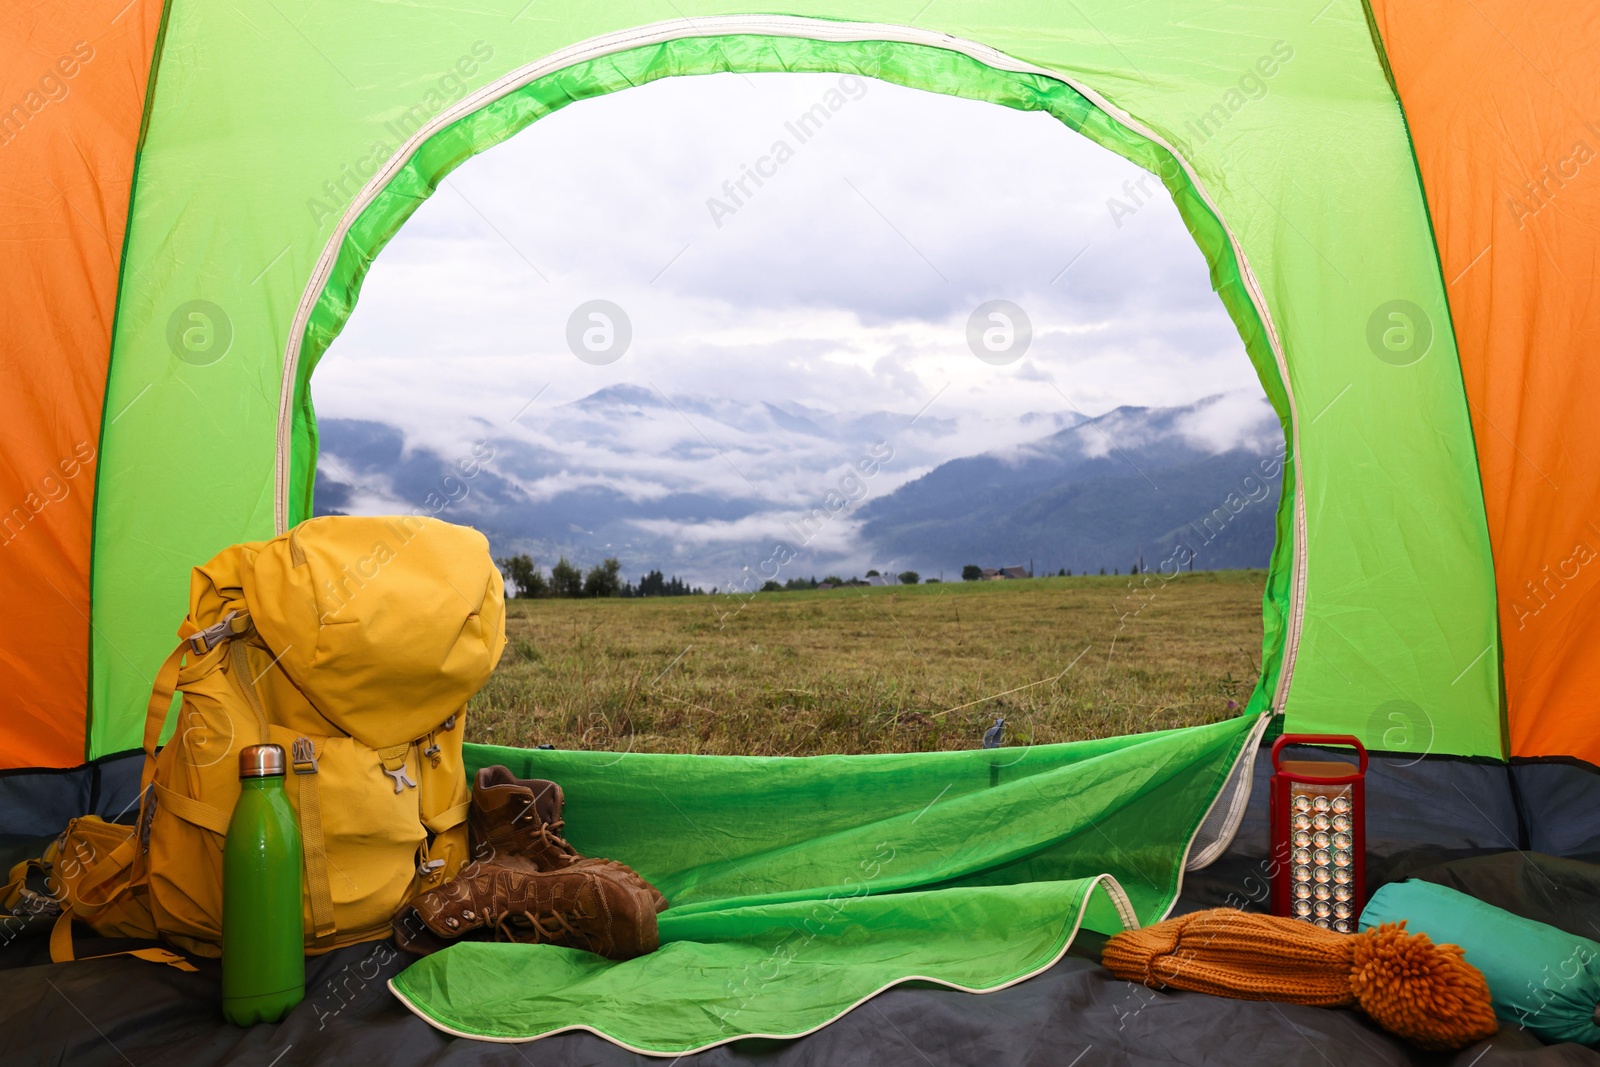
[801, 887]
[775, 971]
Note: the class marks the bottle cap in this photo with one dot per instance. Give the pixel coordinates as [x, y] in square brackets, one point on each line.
[261, 761]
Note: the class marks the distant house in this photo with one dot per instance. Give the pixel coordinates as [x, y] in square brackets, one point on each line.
[875, 579]
[1000, 574]
[826, 585]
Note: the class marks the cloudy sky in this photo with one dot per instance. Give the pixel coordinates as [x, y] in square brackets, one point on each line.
[838, 290]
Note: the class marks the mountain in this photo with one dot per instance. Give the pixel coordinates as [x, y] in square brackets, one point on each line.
[371, 468]
[703, 488]
[1132, 483]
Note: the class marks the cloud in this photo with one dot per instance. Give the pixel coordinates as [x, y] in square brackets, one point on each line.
[1233, 420]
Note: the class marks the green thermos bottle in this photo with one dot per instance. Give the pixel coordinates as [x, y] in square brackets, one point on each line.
[263, 927]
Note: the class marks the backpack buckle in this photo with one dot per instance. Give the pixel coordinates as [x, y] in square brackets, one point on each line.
[218, 632]
[304, 756]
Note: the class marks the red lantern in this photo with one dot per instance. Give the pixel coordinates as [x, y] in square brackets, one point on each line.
[1319, 837]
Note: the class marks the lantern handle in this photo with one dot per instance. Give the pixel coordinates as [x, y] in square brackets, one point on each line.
[1347, 740]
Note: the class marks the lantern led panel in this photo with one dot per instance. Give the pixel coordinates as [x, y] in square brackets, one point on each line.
[1319, 835]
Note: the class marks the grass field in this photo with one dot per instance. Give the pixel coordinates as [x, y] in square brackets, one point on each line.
[874, 669]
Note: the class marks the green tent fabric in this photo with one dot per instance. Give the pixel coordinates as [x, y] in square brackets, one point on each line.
[276, 163]
[801, 887]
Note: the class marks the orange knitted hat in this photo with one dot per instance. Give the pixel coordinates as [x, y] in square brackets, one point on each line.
[1426, 993]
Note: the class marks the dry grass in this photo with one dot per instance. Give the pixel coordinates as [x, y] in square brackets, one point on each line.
[874, 670]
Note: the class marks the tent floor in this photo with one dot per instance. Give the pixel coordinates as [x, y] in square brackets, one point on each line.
[121, 1010]
[1474, 818]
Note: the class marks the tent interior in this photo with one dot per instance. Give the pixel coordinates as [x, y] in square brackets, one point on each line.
[1427, 595]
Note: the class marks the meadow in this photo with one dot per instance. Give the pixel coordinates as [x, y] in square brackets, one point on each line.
[881, 669]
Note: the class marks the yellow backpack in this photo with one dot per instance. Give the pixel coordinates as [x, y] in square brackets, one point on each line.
[354, 643]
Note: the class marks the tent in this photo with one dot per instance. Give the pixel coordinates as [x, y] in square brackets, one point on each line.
[1397, 201]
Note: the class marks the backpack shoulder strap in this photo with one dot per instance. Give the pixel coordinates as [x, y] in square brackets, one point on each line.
[158, 710]
[61, 950]
[200, 643]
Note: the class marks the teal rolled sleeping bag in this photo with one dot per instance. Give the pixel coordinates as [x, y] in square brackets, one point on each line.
[1541, 978]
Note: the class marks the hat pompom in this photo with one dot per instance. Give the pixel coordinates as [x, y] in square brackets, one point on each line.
[1428, 994]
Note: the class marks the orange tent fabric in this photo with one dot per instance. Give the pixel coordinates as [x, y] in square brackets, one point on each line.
[72, 90]
[1504, 108]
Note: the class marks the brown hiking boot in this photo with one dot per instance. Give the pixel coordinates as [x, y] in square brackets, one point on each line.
[599, 908]
[521, 818]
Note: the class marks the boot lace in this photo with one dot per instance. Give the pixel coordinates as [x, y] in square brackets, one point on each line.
[549, 834]
[555, 928]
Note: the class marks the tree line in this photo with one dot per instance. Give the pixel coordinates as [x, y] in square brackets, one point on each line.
[974, 573]
[566, 580]
[527, 580]
[833, 581]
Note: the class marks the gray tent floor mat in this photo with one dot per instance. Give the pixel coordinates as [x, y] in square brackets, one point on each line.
[121, 1011]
